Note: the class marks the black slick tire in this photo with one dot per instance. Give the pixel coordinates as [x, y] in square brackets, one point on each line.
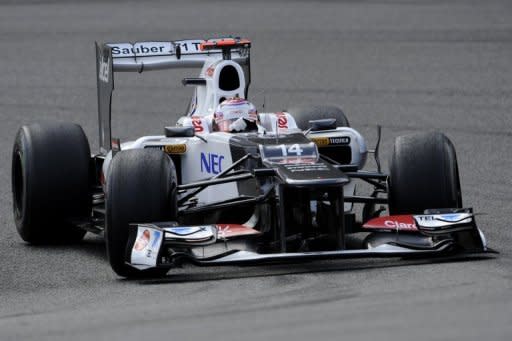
[141, 188]
[423, 174]
[50, 182]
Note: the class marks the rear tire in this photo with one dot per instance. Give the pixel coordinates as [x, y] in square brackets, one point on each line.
[423, 174]
[303, 115]
[50, 182]
[141, 188]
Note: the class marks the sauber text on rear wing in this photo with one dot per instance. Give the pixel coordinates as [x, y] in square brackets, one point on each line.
[146, 56]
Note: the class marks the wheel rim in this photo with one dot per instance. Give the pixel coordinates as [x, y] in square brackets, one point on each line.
[18, 185]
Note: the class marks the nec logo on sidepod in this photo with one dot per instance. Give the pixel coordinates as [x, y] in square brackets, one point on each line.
[211, 163]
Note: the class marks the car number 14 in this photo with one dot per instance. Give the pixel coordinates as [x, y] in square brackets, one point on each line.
[294, 149]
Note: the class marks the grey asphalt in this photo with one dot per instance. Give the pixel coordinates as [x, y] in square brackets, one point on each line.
[406, 65]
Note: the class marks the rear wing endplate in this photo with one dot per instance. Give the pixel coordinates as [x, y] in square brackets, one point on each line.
[147, 56]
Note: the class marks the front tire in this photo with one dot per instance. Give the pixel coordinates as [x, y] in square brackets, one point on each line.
[50, 182]
[141, 188]
[423, 174]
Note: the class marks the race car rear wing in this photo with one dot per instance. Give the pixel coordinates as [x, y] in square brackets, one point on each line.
[156, 55]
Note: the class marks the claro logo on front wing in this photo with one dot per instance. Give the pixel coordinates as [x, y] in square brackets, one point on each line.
[398, 225]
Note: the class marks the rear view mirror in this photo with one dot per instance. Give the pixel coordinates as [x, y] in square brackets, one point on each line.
[179, 131]
[323, 124]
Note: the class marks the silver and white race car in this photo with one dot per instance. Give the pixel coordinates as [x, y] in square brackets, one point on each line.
[283, 191]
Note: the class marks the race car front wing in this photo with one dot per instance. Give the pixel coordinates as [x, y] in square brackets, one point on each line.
[165, 244]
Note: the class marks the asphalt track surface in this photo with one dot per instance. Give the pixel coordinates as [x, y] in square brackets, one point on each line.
[406, 65]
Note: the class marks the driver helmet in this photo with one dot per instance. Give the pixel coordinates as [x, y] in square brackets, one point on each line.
[235, 115]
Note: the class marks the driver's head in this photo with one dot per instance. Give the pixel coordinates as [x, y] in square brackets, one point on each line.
[235, 114]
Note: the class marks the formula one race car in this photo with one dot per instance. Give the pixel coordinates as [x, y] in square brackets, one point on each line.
[266, 187]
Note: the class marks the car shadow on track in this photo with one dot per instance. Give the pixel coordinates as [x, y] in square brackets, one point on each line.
[90, 246]
[267, 270]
